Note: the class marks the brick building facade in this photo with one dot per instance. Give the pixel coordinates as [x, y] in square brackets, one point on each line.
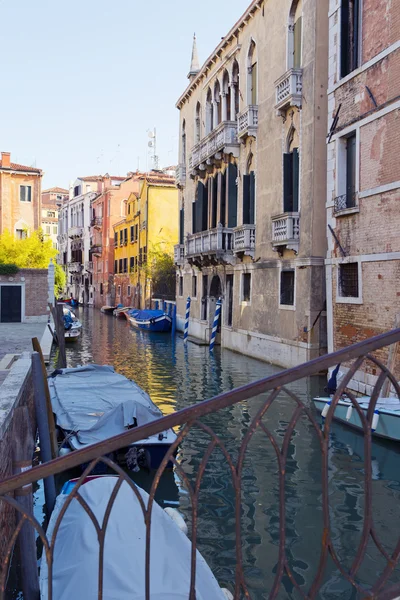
[24, 296]
[363, 179]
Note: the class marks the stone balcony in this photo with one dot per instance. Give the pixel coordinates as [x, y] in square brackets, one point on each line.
[180, 175]
[286, 230]
[214, 246]
[245, 240]
[289, 90]
[75, 267]
[75, 232]
[96, 250]
[179, 254]
[96, 222]
[222, 140]
[248, 122]
[89, 266]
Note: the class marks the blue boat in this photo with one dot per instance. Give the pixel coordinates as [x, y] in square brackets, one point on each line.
[155, 321]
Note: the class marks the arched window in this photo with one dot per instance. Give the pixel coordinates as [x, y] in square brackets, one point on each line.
[226, 97]
[235, 90]
[197, 124]
[294, 60]
[252, 75]
[217, 104]
[209, 112]
[184, 142]
[291, 177]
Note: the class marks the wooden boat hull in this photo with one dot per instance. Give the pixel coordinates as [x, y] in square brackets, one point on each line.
[107, 310]
[161, 324]
[72, 335]
[388, 425]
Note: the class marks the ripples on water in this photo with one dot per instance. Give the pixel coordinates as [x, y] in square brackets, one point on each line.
[175, 378]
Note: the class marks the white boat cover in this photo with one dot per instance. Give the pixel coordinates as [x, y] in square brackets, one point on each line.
[97, 403]
[76, 551]
[391, 404]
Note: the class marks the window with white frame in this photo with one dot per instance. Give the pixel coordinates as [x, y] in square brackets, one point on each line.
[346, 184]
[287, 287]
[246, 287]
[25, 193]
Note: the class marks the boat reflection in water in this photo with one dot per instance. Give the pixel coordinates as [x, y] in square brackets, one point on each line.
[175, 378]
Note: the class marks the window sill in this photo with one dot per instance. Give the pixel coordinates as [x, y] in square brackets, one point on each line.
[346, 211]
[348, 300]
[245, 303]
[287, 307]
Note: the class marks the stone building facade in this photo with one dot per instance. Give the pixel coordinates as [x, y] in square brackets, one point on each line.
[363, 183]
[252, 179]
[52, 200]
[20, 197]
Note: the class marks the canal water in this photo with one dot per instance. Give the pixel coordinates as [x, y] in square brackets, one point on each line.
[176, 377]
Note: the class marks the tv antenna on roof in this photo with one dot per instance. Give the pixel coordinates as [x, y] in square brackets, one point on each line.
[153, 145]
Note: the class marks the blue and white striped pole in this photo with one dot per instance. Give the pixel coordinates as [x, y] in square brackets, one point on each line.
[215, 324]
[186, 332]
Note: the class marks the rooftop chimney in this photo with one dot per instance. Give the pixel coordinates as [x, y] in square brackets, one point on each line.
[6, 160]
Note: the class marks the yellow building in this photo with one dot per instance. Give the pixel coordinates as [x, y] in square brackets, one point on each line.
[149, 227]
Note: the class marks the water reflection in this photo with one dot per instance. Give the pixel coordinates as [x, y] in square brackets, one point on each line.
[176, 377]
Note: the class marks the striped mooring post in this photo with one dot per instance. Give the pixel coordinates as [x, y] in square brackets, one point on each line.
[186, 332]
[215, 324]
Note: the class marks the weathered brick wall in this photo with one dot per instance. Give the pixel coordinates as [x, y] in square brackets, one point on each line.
[380, 150]
[381, 26]
[36, 291]
[17, 390]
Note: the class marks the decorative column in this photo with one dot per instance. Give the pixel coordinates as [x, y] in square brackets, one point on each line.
[233, 101]
[224, 107]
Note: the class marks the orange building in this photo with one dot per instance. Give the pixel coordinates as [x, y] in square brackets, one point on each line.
[20, 197]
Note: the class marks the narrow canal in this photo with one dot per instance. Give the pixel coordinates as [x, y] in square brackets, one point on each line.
[175, 378]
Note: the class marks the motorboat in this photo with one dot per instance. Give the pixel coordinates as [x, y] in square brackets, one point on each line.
[386, 419]
[108, 310]
[76, 549]
[92, 403]
[73, 334]
[72, 325]
[156, 321]
[120, 312]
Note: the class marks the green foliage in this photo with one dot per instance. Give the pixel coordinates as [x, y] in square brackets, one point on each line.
[60, 280]
[9, 269]
[161, 270]
[33, 252]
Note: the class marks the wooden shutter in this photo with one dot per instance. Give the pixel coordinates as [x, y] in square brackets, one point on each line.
[295, 180]
[222, 212]
[214, 202]
[350, 169]
[246, 199]
[254, 84]
[297, 43]
[252, 198]
[288, 182]
[194, 217]
[181, 226]
[232, 196]
[204, 208]
[344, 39]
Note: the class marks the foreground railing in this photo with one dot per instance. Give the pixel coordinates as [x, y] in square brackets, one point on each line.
[184, 420]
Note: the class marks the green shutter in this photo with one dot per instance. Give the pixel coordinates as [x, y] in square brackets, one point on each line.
[297, 43]
[246, 199]
[194, 217]
[350, 169]
[222, 215]
[288, 182]
[204, 214]
[252, 198]
[254, 84]
[232, 196]
[181, 226]
[295, 180]
[214, 202]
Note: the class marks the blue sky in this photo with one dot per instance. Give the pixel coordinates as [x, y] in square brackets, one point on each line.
[83, 80]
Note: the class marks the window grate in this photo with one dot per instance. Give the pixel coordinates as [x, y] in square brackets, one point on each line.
[348, 278]
[345, 201]
[287, 288]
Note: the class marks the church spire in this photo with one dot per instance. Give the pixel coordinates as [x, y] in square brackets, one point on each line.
[194, 66]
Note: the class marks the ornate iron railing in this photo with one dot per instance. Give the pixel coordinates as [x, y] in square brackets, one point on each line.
[184, 420]
[345, 201]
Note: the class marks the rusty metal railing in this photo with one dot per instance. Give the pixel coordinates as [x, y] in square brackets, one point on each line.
[184, 420]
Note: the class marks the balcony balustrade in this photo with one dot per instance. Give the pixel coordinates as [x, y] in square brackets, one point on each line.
[75, 232]
[96, 250]
[89, 266]
[289, 90]
[96, 222]
[218, 241]
[75, 267]
[245, 240]
[286, 230]
[248, 122]
[180, 174]
[179, 254]
[224, 139]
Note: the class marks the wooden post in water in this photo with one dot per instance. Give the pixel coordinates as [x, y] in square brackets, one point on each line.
[50, 416]
[393, 349]
[43, 427]
[57, 313]
[22, 451]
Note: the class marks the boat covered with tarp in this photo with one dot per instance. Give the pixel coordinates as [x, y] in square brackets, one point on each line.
[156, 321]
[92, 403]
[75, 566]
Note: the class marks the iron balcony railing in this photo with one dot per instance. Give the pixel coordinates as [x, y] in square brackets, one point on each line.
[344, 202]
[283, 575]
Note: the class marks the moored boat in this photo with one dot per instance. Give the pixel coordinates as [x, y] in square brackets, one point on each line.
[93, 403]
[155, 321]
[75, 566]
[386, 421]
[120, 313]
[108, 310]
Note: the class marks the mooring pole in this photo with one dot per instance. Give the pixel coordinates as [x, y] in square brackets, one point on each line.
[156, 304]
[215, 324]
[43, 427]
[173, 331]
[186, 332]
[22, 451]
